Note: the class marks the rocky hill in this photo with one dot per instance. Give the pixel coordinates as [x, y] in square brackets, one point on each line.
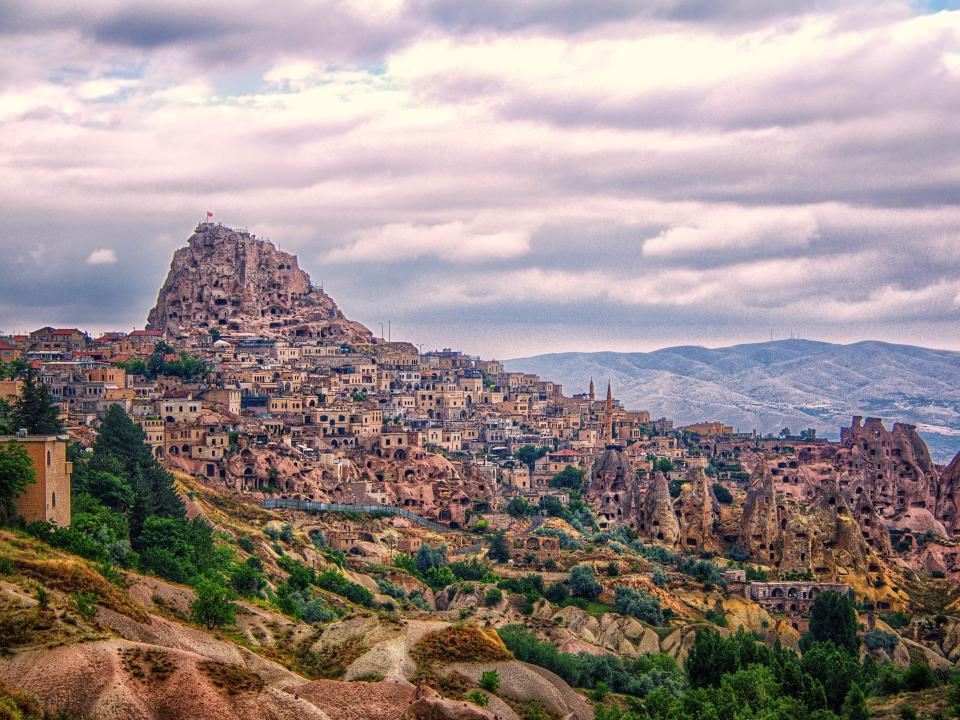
[232, 281]
[766, 386]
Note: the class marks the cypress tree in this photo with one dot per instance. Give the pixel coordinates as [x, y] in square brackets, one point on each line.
[34, 409]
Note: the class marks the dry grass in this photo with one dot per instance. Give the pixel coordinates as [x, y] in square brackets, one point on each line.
[75, 576]
[459, 644]
[147, 665]
[232, 679]
[16, 705]
[927, 703]
[330, 662]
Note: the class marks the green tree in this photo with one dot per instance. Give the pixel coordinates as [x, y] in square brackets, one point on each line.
[834, 619]
[428, 557]
[498, 551]
[34, 409]
[664, 465]
[529, 454]
[552, 506]
[835, 668]
[214, 606]
[16, 473]
[710, 658]
[570, 478]
[855, 705]
[518, 508]
[583, 582]
[247, 581]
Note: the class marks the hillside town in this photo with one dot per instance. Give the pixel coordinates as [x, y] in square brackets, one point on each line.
[250, 378]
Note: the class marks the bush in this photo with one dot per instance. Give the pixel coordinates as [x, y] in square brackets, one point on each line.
[632, 677]
[659, 578]
[877, 639]
[918, 677]
[473, 570]
[638, 604]
[556, 593]
[246, 544]
[896, 620]
[247, 581]
[490, 681]
[722, 495]
[428, 557]
[518, 508]
[336, 582]
[86, 604]
[583, 582]
[705, 571]
[492, 597]
[477, 698]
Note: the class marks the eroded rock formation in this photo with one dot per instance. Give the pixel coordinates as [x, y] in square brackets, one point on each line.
[231, 281]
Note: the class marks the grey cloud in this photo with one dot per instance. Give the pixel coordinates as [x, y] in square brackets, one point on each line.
[153, 27]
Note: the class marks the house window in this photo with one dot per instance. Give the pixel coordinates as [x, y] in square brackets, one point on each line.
[49, 459]
[53, 499]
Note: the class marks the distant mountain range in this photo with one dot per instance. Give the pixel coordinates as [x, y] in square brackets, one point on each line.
[768, 386]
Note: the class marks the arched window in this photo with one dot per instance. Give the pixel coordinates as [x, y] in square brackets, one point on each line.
[53, 499]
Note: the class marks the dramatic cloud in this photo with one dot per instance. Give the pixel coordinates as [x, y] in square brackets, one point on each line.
[507, 177]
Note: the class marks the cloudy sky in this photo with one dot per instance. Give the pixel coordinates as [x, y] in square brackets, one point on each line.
[504, 177]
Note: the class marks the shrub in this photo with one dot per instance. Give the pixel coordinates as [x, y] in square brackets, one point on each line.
[706, 571]
[336, 582]
[246, 544]
[490, 681]
[556, 593]
[896, 620]
[518, 508]
[583, 582]
[918, 677]
[659, 578]
[877, 639]
[722, 495]
[428, 557]
[477, 698]
[86, 604]
[638, 604]
[492, 597]
[246, 580]
[473, 570]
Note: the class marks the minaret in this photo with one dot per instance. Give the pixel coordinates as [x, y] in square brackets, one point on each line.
[593, 390]
[608, 412]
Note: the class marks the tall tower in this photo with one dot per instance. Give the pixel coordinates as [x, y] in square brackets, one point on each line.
[593, 390]
[608, 413]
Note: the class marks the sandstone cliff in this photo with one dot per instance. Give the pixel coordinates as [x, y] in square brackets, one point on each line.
[231, 281]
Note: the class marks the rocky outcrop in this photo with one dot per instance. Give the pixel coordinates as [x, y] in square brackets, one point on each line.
[231, 281]
[612, 488]
[892, 469]
[698, 510]
[760, 527]
[948, 495]
[657, 519]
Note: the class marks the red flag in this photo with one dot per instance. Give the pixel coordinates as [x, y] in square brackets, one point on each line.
[209, 214]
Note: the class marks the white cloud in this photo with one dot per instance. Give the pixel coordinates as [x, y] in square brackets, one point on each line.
[453, 241]
[103, 256]
[731, 229]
